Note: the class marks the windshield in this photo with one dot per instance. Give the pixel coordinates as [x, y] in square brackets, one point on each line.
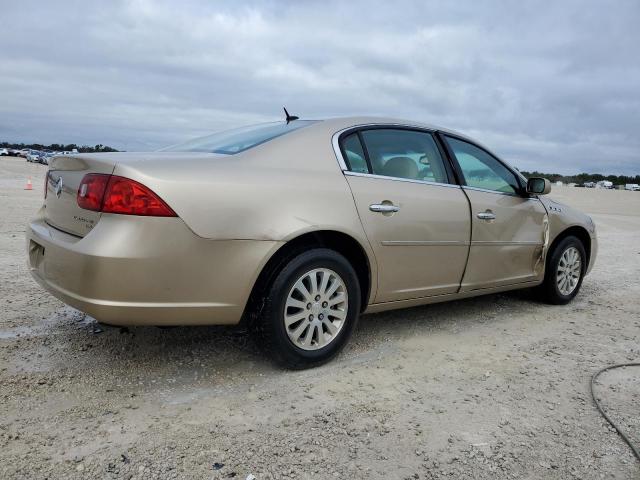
[238, 139]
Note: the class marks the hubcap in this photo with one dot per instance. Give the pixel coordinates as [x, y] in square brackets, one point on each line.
[316, 309]
[569, 271]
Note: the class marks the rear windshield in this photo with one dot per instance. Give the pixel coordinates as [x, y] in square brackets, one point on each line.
[238, 139]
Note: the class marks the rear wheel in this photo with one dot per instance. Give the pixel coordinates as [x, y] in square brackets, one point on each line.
[565, 270]
[311, 309]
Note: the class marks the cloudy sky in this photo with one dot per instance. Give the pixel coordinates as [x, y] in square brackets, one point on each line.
[553, 86]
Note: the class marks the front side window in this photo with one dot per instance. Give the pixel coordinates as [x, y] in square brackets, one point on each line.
[238, 139]
[406, 154]
[482, 170]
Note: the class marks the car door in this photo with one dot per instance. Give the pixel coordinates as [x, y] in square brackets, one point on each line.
[509, 231]
[416, 219]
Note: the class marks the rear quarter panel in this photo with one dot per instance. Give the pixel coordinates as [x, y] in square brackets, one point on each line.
[273, 192]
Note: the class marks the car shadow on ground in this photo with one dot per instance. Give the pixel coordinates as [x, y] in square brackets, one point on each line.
[230, 350]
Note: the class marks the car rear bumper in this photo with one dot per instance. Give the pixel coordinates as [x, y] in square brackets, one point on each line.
[146, 271]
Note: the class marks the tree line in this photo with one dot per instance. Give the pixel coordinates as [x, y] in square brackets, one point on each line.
[581, 178]
[59, 147]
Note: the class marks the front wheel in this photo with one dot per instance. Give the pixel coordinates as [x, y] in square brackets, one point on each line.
[565, 270]
[311, 309]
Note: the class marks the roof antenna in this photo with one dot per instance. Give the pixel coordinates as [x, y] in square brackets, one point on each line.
[290, 118]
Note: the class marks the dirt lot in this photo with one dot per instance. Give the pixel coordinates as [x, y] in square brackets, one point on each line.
[493, 387]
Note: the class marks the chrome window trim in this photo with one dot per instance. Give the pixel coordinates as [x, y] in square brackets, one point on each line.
[398, 179]
[478, 189]
[335, 139]
[335, 142]
[466, 187]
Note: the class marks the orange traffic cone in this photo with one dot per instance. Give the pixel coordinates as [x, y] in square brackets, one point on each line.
[29, 185]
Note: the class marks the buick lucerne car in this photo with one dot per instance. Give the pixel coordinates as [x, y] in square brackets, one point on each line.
[296, 228]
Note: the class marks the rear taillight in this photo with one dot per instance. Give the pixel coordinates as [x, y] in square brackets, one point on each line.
[91, 191]
[114, 194]
[128, 197]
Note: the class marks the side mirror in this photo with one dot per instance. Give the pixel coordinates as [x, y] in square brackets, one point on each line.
[538, 186]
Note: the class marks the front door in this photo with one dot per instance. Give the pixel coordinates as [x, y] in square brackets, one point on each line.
[509, 229]
[418, 223]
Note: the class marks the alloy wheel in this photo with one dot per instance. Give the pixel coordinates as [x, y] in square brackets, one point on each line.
[316, 309]
[569, 271]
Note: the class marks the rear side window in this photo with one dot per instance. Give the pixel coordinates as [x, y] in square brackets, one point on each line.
[482, 170]
[354, 154]
[239, 139]
[406, 154]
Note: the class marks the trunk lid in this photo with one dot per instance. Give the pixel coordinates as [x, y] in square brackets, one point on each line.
[63, 179]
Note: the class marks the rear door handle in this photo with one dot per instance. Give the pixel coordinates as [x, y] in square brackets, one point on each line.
[383, 208]
[488, 215]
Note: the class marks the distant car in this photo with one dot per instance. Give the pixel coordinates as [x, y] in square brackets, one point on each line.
[632, 186]
[604, 184]
[36, 156]
[45, 157]
[33, 156]
[4, 152]
[298, 227]
[590, 184]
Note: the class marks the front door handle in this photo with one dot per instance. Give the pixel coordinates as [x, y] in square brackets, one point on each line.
[383, 208]
[488, 215]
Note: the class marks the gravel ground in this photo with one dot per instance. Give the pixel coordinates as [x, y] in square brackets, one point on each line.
[492, 387]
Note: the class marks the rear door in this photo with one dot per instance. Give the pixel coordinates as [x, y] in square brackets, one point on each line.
[509, 228]
[416, 219]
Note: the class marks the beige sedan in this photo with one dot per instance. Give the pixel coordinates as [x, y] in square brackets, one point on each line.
[296, 228]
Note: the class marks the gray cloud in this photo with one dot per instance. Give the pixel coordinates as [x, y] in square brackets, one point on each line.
[553, 87]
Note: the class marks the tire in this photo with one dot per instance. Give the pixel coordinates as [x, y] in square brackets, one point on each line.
[553, 289]
[297, 346]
